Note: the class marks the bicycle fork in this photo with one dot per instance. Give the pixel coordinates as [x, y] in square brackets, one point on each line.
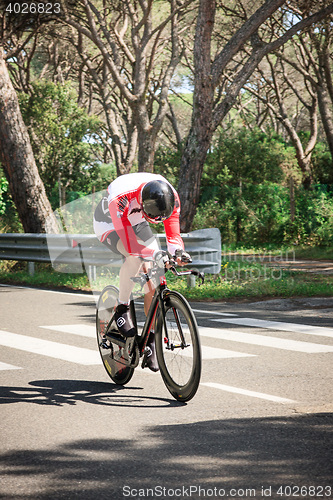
[169, 345]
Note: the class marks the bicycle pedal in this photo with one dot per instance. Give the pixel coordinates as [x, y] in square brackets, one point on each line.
[116, 338]
[104, 344]
[146, 354]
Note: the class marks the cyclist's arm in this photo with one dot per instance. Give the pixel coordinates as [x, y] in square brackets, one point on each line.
[172, 228]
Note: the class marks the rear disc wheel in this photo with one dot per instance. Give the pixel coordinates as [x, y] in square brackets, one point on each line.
[118, 372]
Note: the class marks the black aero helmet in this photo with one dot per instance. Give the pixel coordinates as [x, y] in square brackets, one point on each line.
[158, 200]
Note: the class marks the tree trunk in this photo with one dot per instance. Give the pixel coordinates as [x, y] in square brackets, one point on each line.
[292, 199]
[17, 160]
[326, 116]
[200, 134]
[238, 217]
[190, 176]
[146, 151]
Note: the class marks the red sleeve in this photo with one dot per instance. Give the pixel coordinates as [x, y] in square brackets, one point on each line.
[172, 228]
[119, 214]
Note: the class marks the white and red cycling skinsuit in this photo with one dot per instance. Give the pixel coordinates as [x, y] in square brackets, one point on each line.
[124, 216]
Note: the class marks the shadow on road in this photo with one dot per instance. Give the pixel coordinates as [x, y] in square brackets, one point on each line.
[239, 454]
[69, 392]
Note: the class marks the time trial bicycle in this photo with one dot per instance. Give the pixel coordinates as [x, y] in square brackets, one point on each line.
[177, 339]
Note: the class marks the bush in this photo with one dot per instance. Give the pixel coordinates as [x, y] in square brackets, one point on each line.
[9, 220]
[260, 215]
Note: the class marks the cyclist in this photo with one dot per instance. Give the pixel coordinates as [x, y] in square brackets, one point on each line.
[121, 223]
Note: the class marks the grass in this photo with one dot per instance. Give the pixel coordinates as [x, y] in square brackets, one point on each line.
[237, 280]
[300, 252]
[270, 283]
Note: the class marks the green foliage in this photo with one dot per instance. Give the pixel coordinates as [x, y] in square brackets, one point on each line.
[167, 162]
[262, 215]
[9, 220]
[245, 195]
[313, 217]
[322, 164]
[105, 173]
[60, 133]
[3, 190]
[256, 217]
[244, 156]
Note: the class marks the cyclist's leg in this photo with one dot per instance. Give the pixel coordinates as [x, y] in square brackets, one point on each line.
[109, 237]
[146, 237]
[149, 289]
[151, 358]
[130, 268]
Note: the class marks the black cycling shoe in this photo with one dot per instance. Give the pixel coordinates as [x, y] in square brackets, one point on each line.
[124, 321]
[151, 358]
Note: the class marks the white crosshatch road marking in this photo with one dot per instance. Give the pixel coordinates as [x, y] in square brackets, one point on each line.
[82, 330]
[6, 366]
[91, 357]
[89, 331]
[220, 334]
[320, 331]
[48, 348]
[203, 311]
[264, 340]
[245, 392]
[216, 353]
[213, 313]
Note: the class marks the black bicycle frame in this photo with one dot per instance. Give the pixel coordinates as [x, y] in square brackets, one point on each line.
[157, 301]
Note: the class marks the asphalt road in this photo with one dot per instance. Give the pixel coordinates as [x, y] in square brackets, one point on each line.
[260, 425]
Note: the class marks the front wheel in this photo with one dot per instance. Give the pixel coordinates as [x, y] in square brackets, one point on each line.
[178, 347]
[118, 372]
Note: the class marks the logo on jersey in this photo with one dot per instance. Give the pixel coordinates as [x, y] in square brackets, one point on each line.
[135, 210]
[122, 203]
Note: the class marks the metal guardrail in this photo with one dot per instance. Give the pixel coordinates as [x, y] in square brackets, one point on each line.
[83, 250]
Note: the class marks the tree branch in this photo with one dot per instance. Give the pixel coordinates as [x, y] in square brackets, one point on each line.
[224, 107]
[241, 36]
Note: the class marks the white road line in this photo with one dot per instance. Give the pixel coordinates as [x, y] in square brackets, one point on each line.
[213, 313]
[320, 331]
[88, 296]
[263, 340]
[89, 331]
[204, 311]
[82, 330]
[216, 353]
[245, 392]
[6, 366]
[55, 350]
[221, 334]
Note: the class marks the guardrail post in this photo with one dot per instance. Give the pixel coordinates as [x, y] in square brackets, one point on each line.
[92, 273]
[190, 281]
[31, 268]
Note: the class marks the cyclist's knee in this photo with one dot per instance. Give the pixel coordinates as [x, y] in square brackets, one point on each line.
[132, 263]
